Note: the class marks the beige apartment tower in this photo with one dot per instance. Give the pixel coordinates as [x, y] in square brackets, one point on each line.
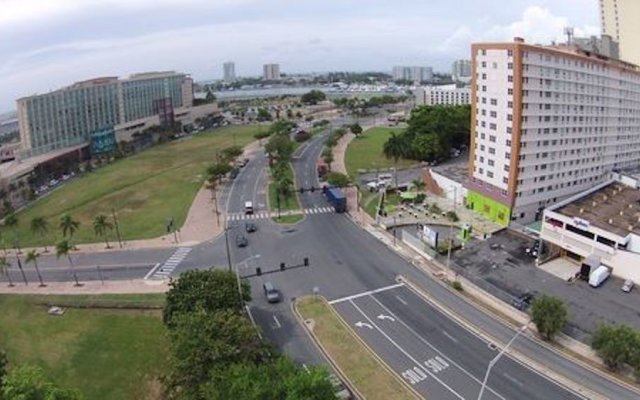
[620, 20]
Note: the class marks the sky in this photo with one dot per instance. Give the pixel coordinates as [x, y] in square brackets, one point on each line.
[47, 44]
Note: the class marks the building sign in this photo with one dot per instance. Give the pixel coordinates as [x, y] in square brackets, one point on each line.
[430, 236]
[581, 223]
[103, 141]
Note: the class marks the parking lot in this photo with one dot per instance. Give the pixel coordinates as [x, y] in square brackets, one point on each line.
[500, 266]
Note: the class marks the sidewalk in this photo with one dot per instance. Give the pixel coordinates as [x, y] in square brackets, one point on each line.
[89, 287]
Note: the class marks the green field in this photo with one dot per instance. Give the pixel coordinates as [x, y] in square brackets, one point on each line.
[104, 353]
[365, 152]
[145, 190]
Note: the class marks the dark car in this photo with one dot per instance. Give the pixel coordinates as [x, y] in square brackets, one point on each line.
[234, 173]
[523, 301]
[241, 241]
[533, 250]
[250, 227]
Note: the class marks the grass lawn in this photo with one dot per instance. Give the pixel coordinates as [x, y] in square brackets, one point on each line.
[104, 353]
[290, 203]
[289, 219]
[368, 375]
[145, 190]
[365, 152]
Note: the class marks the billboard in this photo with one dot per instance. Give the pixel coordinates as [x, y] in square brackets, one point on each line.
[430, 236]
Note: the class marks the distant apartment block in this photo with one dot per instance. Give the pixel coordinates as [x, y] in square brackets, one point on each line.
[415, 74]
[619, 19]
[229, 71]
[104, 111]
[461, 70]
[442, 95]
[547, 122]
[271, 72]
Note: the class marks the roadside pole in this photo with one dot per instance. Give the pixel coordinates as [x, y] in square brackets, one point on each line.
[115, 223]
[496, 358]
[226, 241]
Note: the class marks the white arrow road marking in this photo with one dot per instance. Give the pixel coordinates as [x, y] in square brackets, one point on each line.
[383, 317]
[360, 324]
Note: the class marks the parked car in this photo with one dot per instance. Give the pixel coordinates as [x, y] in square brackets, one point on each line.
[598, 276]
[241, 241]
[533, 250]
[250, 227]
[627, 286]
[271, 293]
[523, 301]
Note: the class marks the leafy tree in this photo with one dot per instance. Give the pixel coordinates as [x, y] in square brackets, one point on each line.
[427, 148]
[40, 227]
[279, 147]
[262, 135]
[356, 129]
[263, 115]
[418, 184]
[278, 379]
[101, 225]
[68, 225]
[617, 345]
[452, 216]
[203, 342]
[217, 171]
[229, 154]
[32, 257]
[549, 314]
[327, 157]
[209, 290]
[63, 248]
[313, 97]
[28, 382]
[394, 147]
[4, 269]
[3, 368]
[289, 113]
[281, 127]
[338, 179]
[284, 186]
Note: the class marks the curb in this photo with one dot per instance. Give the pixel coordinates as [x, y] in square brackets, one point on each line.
[335, 365]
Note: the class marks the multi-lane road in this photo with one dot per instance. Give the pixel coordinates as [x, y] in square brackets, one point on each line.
[438, 356]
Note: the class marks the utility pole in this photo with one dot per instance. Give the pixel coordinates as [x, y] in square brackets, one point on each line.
[173, 227]
[496, 358]
[226, 241]
[115, 223]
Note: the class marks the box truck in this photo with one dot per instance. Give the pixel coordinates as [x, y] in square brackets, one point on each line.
[337, 199]
[598, 276]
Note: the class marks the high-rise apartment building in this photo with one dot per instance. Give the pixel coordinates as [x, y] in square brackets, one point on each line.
[447, 95]
[416, 74]
[547, 122]
[619, 19]
[271, 72]
[98, 108]
[461, 69]
[229, 71]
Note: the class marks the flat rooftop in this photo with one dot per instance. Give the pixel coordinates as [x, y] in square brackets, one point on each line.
[456, 169]
[614, 208]
[16, 168]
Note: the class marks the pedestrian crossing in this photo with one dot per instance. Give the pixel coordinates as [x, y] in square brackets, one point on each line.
[165, 270]
[272, 214]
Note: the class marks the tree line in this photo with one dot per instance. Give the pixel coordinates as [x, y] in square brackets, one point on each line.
[216, 352]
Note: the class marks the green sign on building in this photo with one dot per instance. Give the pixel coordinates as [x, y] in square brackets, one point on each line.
[103, 141]
[489, 208]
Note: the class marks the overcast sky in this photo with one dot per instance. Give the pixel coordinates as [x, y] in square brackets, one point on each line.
[45, 44]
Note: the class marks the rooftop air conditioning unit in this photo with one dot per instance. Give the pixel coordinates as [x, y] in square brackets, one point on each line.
[621, 213]
[594, 204]
[630, 206]
[605, 198]
[582, 211]
[630, 227]
[610, 221]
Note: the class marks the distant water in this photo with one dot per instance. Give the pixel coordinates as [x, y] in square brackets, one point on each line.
[279, 91]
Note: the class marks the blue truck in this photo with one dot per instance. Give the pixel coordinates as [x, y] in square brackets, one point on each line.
[337, 199]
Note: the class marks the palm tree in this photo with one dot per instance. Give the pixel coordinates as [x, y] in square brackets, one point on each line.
[101, 225]
[32, 256]
[11, 221]
[63, 248]
[418, 184]
[68, 225]
[4, 268]
[394, 148]
[40, 227]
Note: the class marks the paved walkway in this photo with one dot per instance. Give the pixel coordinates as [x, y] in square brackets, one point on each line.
[90, 287]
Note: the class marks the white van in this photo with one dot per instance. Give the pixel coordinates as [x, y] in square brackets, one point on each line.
[248, 207]
[598, 276]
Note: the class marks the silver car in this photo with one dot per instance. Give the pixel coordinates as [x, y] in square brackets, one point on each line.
[627, 286]
[272, 294]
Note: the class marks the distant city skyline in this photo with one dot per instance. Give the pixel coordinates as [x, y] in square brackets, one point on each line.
[56, 43]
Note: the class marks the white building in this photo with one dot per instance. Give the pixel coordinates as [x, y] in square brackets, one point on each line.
[548, 122]
[229, 71]
[416, 74]
[442, 95]
[271, 72]
[461, 70]
[601, 224]
[619, 19]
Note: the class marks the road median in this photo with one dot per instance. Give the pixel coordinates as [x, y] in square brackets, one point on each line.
[368, 376]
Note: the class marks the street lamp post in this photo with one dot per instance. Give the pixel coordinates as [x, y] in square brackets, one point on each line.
[496, 358]
[226, 242]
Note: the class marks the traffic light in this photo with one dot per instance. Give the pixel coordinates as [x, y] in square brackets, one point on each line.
[282, 266]
[313, 189]
[258, 271]
[301, 190]
[306, 261]
[324, 189]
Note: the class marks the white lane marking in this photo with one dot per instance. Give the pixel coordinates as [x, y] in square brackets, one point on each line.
[367, 293]
[425, 341]
[512, 379]
[166, 268]
[278, 325]
[152, 271]
[401, 300]
[382, 317]
[403, 351]
[449, 336]
[306, 368]
[361, 324]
